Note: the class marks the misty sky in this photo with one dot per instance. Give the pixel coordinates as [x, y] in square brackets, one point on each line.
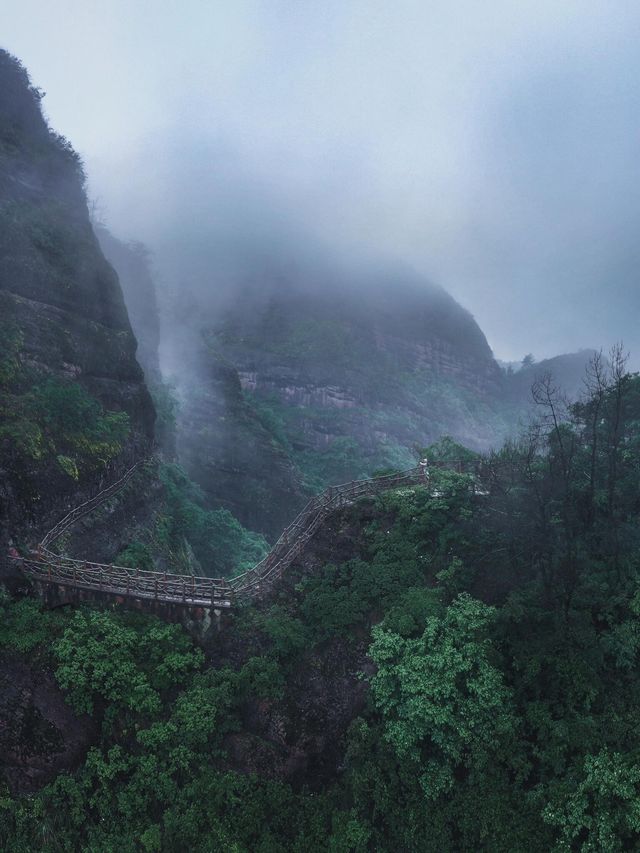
[494, 147]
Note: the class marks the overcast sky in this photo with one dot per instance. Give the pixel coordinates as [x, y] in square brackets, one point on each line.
[493, 146]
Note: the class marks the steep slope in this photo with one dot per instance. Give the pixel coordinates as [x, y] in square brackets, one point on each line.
[131, 263]
[568, 371]
[227, 449]
[73, 402]
[338, 378]
[440, 669]
[326, 384]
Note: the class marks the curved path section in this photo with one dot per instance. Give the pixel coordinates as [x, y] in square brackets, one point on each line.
[44, 565]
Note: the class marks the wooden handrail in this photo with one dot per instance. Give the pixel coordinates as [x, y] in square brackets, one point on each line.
[45, 565]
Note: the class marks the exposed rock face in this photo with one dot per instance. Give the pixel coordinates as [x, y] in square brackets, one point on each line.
[303, 742]
[61, 296]
[343, 379]
[131, 263]
[301, 739]
[40, 735]
[344, 349]
[324, 386]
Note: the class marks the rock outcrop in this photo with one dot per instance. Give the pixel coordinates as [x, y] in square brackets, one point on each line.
[132, 265]
[40, 735]
[297, 388]
[64, 324]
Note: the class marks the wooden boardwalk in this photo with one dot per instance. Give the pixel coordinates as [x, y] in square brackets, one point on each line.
[45, 566]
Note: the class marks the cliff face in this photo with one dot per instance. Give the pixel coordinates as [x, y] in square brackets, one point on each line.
[363, 357]
[41, 736]
[131, 263]
[317, 350]
[228, 450]
[73, 402]
[337, 381]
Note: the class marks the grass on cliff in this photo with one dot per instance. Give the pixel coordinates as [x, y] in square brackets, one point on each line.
[44, 418]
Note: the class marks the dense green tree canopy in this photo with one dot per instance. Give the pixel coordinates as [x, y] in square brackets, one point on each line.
[496, 619]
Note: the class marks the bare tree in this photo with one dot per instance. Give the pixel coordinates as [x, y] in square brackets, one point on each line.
[597, 383]
[618, 359]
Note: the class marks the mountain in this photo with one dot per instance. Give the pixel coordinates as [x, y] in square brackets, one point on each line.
[330, 382]
[131, 261]
[74, 406]
[568, 373]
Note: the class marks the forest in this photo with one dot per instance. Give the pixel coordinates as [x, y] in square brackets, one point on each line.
[491, 621]
[319, 441]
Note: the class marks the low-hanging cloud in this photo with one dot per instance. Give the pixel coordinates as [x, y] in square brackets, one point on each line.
[493, 148]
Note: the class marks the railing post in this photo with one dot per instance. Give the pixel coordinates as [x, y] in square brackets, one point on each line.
[156, 588]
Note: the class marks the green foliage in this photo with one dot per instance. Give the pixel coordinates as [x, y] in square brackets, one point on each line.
[601, 811]
[12, 343]
[25, 625]
[68, 466]
[49, 418]
[447, 450]
[503, 672]
[166, 406]
[287, 635]
[104, 659]
[155, 780]
[445, 704]
[136, 555]
[346, 457]
[414, 606]
[262, 677]
[73, 419]
[222, 545]
[52, 418]
[272, 416]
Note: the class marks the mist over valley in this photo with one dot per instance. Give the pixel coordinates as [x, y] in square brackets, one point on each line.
[319, 427]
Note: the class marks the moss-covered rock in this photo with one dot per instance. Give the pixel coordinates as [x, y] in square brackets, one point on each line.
[73, 402]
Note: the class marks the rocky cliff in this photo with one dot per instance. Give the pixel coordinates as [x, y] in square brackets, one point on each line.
[330, 383]
[74, 407]
[339, 379]
[131, 262]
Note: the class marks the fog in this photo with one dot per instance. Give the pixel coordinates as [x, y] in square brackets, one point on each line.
[493, 148]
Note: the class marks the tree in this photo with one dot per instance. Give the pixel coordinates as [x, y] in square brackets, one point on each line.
[444, 703]
[602, 813]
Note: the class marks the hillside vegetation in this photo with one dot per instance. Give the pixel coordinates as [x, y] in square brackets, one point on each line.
[75, 411]
[73, 404]
[497, 636]
[298, 387]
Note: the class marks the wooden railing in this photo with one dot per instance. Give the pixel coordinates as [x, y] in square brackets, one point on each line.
[294, 537]
[46, 566]
[89, 505]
